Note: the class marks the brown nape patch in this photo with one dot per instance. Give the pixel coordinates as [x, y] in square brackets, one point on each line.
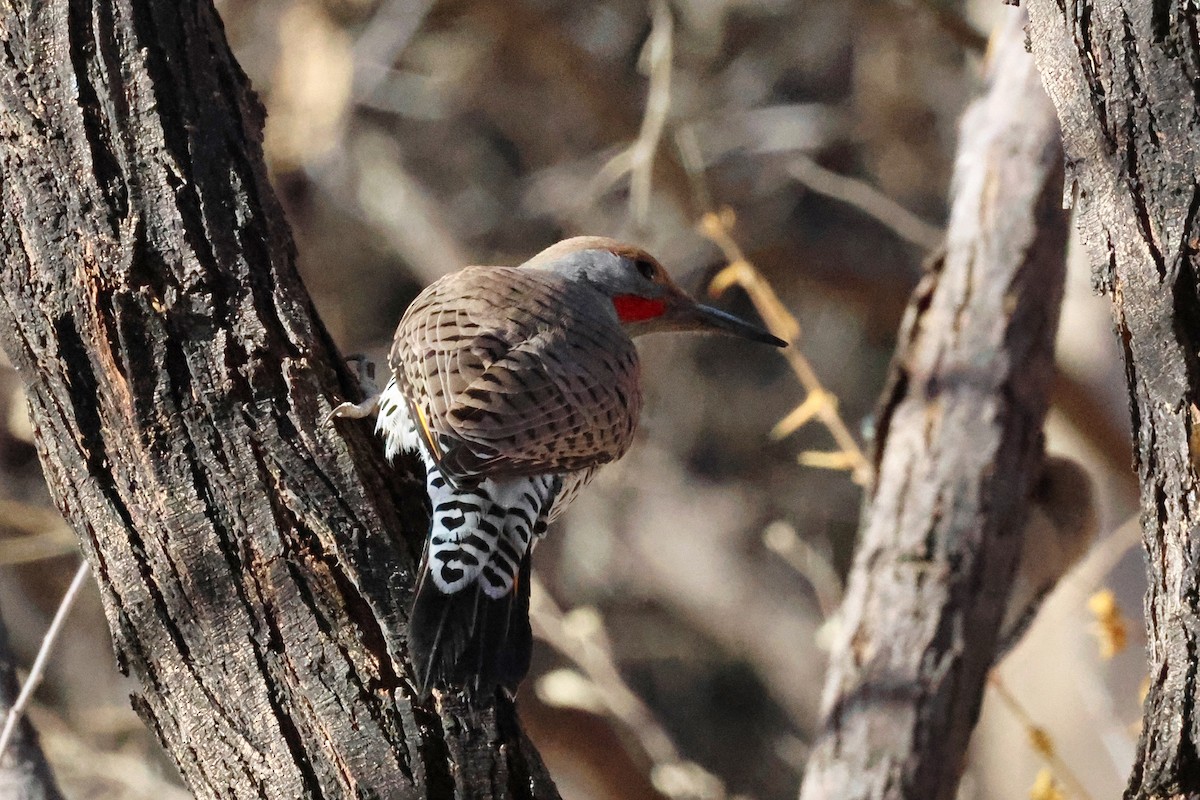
[633, 253]
[578, 243]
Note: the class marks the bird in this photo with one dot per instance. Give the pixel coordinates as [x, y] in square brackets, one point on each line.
[1062, 526]
[514, 385]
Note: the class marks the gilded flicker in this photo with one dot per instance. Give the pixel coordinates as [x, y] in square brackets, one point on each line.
[514, 385]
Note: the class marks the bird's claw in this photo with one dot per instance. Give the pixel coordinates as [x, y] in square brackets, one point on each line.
[350, 410]
[365, 370]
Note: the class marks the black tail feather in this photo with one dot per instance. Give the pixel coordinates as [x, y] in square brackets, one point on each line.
[468, 640]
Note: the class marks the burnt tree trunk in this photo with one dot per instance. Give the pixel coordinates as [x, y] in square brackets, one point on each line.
[959, 446]
[255, 564]
[1124, 76]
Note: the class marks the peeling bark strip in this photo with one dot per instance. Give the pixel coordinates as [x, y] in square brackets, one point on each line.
[1124, 76]
[960, 441]
[250, 558]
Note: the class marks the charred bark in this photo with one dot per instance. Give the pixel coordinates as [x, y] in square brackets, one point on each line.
[1124, 77]
[255, 564]
[959, 445]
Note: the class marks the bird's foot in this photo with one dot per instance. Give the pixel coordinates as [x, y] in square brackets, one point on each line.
[350, 410]
[365, 370]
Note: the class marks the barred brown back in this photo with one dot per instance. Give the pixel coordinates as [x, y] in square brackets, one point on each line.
[518, 372]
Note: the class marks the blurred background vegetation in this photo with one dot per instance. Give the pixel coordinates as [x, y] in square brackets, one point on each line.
[687, 597]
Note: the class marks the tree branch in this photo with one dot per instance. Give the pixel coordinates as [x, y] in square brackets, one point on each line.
[1123, 77]
[959, 445]
[255, 565]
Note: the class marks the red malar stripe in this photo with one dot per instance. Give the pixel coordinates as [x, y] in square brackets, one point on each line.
[631, 308]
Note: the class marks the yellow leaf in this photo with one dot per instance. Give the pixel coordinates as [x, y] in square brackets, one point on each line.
[1045, 787]
[1110, 628]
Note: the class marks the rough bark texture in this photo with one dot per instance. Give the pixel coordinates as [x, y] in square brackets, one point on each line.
[1124, 76]
[24, 774]
[959, 444]
[255, 564]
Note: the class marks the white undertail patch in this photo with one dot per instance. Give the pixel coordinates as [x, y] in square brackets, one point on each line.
[481, 533]
[396, 425]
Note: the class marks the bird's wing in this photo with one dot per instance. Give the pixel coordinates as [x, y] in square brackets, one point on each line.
[513, 373]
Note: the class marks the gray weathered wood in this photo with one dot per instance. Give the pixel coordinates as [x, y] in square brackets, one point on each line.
[1123, 75]
[255, 564]
[959, 444]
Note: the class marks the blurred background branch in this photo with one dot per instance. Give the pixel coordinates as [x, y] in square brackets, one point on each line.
[24, 773]
[958, 450]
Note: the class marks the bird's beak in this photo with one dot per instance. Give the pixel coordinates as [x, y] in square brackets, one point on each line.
[694, 316]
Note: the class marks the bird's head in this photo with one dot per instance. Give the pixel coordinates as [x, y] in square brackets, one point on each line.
[644, 297]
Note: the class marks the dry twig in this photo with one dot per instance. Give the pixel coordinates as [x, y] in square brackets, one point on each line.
[782, 539]
[869, 200]
[638, 159]
[579, 636]
[46, 535]
[43, 655]
[950, 21]
[81, 767]
[1039, 739]
[381, 42]
[818, 403]
[38, 546]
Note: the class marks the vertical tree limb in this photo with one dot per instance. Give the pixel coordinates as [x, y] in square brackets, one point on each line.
[254, 564]
[959, 445]
[1123, 76]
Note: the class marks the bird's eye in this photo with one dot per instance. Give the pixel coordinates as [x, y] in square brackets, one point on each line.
[646, 267]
